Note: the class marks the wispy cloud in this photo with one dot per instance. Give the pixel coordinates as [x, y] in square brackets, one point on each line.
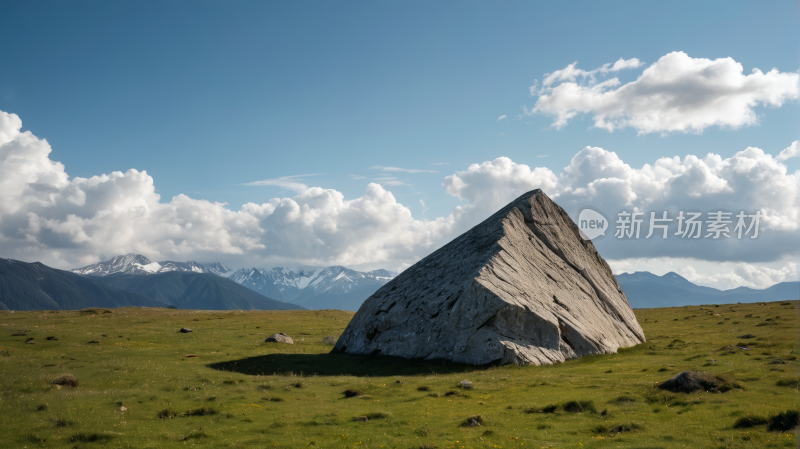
[400, 170]
[502, 117]
[288, 182]
[542, 155]
[392, 181]
[357, 176]
[440, 163]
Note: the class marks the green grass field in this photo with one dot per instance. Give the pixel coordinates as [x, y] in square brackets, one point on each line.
[137, 387]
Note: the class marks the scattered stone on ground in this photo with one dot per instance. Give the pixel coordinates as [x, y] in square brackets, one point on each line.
[689, 381]
[279, 338]
[185, 330]
[51, 338]
[360, 418]
[465, 384]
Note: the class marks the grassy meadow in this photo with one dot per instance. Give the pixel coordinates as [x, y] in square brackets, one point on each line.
[141, 384]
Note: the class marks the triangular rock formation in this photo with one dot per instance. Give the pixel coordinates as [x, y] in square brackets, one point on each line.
[522, 287]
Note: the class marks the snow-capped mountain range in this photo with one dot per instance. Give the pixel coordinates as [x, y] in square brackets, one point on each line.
[137, 264]
[333, 287]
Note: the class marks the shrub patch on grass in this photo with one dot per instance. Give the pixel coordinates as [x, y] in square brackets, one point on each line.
[202, 411]
[351, 393]
[67, 380]
[615, 429]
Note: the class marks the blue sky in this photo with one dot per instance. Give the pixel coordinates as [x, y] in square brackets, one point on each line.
[208, 96]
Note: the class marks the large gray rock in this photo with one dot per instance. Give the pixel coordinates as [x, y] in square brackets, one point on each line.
[522, 287]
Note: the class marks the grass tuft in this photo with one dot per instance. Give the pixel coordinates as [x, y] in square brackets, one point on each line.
[784, 421]
[615, 429]
[92, 437]
[473, 421]
[202, 411]
[745, 422]
[167, 413]
[579, 407]
[793, 382]
[62, 422]
[67, 380]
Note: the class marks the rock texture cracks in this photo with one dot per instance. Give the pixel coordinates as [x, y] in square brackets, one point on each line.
[522, 287]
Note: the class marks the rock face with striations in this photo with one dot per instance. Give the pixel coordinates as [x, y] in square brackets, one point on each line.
[522, 287]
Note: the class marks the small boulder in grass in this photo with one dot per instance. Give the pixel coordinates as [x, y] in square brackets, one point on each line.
[465, 384]
[689, 381]
[279, 338]
[185, 330]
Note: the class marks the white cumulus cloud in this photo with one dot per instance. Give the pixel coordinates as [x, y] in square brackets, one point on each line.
[66, 221]
[791, 151]
[677, 93]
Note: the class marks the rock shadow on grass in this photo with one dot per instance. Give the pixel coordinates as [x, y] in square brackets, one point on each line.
[337, 364]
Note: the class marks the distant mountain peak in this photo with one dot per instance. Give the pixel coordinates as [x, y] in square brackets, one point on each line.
[136, 264]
